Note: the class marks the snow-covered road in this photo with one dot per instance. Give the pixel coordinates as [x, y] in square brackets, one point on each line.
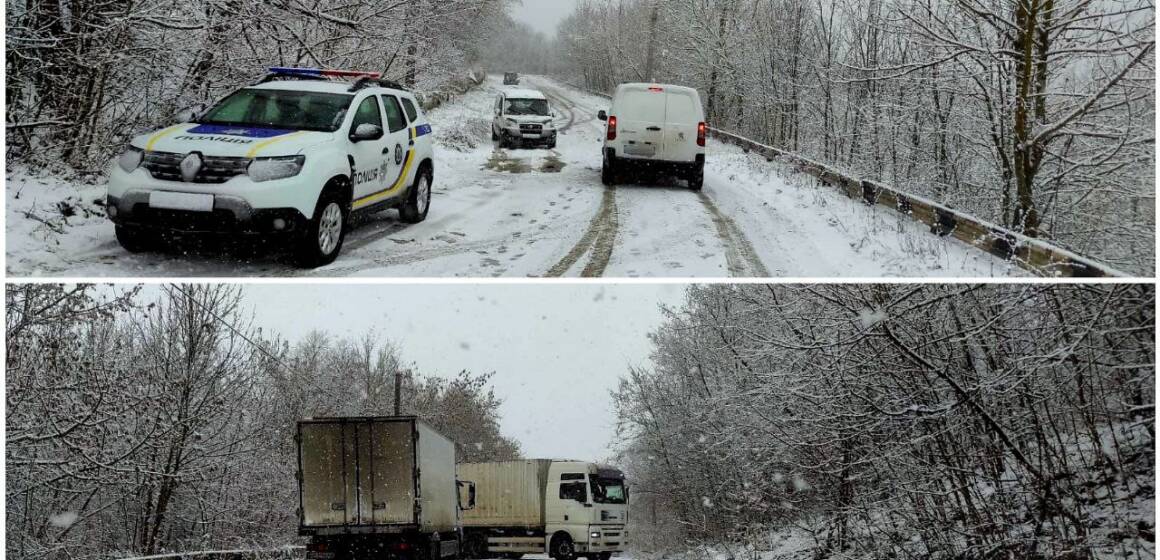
[538, 213]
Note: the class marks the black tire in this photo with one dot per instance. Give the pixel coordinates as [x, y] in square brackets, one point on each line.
[418, 203]
[605, 556]
[135, 240]
[311, 249]
[552, 145]
[608, 171]
[494, 136]
[475, 546]
[562, 548]
[696, 176]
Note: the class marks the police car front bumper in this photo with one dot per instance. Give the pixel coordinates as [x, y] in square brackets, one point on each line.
[230, 215]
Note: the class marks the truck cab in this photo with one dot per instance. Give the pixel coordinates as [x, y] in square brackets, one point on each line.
[586, 504]
[560, 507]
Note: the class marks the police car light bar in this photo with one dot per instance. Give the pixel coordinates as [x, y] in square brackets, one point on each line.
[320, 73]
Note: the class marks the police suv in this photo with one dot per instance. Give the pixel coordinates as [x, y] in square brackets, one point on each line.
[291, 157]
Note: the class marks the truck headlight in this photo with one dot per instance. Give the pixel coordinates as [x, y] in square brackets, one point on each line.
[131, 159]
[274, 168]
[595, 535]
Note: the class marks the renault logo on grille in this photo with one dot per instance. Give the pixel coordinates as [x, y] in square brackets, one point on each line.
[190, 167]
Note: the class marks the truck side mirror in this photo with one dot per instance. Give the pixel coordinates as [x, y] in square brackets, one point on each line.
[602, 115]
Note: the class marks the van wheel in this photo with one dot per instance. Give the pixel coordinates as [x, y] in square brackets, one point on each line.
[323, 239]
[134, 240]
[562, 548]
[696, 176]
[418, 203]
[608, 171]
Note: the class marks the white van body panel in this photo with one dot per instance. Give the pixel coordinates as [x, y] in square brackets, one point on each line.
[656, 122]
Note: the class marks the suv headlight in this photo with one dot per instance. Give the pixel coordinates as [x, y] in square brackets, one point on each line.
[131, 159]
[274, 168]
[511, 122]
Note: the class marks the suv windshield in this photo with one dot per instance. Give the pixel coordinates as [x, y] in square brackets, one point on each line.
[294, 110]
[608, 490]
[527, 107]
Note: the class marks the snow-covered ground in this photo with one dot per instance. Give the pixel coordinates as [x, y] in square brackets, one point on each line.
[534, 213]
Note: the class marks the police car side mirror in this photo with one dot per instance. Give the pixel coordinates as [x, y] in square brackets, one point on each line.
[187, 114]
[602, 115]
[366, 131]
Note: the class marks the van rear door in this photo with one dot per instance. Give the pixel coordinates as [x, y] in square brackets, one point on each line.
[683, 113]
[640, 112]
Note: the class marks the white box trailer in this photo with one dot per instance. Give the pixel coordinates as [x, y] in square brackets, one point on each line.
[382, 485]
[563, 508]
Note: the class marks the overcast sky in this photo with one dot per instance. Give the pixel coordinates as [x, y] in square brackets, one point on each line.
[557, 350]
[544, 15]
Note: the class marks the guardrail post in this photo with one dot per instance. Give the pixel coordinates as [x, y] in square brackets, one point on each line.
[944, 223]
[869, 193]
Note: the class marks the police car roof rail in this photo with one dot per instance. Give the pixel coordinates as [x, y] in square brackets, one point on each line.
[368, 81]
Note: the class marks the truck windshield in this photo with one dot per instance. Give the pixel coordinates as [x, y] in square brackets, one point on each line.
[537, 107]
[608, 490]
[292, 110]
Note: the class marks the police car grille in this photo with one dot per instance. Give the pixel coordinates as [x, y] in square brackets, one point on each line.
[166, 166]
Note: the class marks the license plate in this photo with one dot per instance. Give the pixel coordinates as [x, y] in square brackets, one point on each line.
[645, 150]
[181, 201]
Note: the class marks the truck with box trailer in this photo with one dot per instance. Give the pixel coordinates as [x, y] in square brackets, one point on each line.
[381, 487]
[563, 508]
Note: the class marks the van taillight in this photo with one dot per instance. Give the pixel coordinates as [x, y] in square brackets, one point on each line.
[399, 547]
[702, 131]
[612, 128]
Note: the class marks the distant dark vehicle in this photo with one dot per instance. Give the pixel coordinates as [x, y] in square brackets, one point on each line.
[511, 79]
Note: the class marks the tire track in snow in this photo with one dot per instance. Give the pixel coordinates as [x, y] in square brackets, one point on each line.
[600, 238]
[740, 256]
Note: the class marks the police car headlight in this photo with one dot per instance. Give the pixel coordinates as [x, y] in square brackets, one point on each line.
[274, 168]
[131, 159]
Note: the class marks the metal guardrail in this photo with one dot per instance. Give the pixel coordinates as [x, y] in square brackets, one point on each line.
[1035, 255]
[283, 553]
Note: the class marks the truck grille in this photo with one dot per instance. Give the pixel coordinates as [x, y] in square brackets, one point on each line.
[166, 166]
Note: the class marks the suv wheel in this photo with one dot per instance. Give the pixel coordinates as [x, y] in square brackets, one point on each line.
[322, 242]
[418, 203]
[134, 240]
[562, 548]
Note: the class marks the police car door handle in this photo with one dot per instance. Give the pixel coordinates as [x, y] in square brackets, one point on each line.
[654, 128]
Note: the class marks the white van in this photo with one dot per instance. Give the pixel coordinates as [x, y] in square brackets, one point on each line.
[655, 125]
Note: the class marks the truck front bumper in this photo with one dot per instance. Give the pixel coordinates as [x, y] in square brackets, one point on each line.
[609, 539]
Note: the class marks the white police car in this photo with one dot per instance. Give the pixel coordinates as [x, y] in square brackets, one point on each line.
[293, 157]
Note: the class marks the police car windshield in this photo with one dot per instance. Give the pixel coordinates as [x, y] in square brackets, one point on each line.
[293, 110]
[527, 107]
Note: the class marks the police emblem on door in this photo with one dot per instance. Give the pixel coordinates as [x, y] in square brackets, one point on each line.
[398, 154]
[190, 167]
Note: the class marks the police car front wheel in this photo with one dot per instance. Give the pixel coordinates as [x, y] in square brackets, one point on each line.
[322, 241]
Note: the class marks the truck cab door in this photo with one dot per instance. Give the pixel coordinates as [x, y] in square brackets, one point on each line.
[573, 508]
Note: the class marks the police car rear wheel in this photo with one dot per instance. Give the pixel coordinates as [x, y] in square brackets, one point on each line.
[134, 240]
[322, 242]
[418, 202]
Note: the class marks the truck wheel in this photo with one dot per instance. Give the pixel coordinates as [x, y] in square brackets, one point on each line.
[562, 548]
[134, 240]
[608, 171]
[323, 239]
[475, 547]
[418, 203]
[696, 176]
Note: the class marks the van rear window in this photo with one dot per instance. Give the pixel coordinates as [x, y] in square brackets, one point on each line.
[641, 106]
